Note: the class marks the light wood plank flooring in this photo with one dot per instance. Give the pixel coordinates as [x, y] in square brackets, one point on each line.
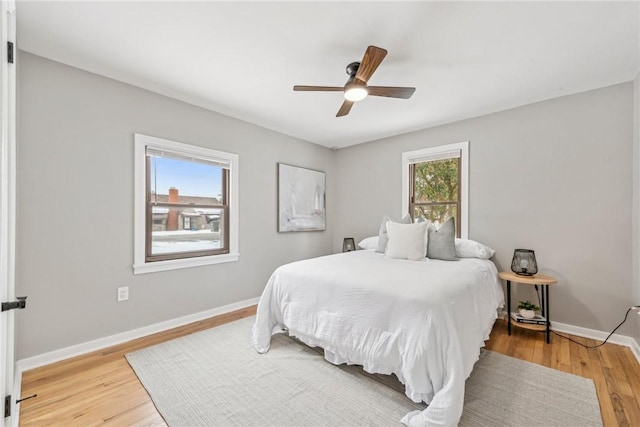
[101, 389]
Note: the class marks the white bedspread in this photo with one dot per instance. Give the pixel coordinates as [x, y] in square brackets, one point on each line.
[424, 321]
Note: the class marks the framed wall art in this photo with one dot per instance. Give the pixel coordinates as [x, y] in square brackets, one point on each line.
[301, 199]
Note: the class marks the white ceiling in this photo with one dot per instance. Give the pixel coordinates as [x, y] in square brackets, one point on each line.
[242, 58]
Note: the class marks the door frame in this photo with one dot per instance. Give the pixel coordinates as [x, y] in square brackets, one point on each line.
[7, 208]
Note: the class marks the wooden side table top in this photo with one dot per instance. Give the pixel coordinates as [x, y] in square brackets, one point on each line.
[538, 279]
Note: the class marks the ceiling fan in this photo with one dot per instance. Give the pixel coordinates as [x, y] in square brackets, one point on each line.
[356, 88]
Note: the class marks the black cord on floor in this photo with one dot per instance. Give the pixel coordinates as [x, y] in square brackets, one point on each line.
[579, 343]
[605, 340]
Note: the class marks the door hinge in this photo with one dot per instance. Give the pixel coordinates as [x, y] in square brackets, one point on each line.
[10, 52]
[7, 406]
[12, 305]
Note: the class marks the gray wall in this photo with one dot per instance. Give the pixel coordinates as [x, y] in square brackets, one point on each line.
[75, 207]
[554, 176]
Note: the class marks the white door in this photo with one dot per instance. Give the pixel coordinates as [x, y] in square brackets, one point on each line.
[7, 208]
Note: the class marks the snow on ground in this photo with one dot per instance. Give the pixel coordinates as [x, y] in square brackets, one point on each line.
[164, 242]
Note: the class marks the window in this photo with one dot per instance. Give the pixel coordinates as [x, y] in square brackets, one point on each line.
[185, 205]
[435, 184]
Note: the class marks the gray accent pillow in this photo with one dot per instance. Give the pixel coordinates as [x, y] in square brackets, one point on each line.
[383, 238]
[441, 243]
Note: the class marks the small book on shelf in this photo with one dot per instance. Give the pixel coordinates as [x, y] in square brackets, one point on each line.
[536, 320]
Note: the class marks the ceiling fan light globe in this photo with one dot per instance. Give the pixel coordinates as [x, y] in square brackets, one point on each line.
[355, 94]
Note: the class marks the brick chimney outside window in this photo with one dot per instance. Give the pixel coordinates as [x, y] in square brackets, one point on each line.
[172, 218]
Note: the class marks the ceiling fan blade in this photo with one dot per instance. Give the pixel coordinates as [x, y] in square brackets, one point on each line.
[372, 58]
[346, 107]
[319, 88]
[391, 91]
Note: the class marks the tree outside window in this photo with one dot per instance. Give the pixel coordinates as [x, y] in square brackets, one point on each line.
[436, 190]
[435, 185]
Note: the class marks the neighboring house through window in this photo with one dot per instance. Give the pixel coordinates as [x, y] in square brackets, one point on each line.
[186, 210]
[435, 185]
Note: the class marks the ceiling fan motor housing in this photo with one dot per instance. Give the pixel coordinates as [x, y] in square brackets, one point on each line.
[352, 69]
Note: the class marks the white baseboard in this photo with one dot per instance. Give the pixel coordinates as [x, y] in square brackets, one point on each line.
[593, 334]
[635, 348]
[88, 347]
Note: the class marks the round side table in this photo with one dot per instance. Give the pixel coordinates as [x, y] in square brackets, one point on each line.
[538, 279]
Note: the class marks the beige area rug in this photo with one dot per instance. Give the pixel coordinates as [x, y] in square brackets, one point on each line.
[216, 378]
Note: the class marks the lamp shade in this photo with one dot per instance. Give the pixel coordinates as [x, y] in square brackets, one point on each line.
[524, 262]
[348, 244]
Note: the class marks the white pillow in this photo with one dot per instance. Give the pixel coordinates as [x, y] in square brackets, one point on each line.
[369, 243]
[407, 241]
[466, 248]
[382, 233]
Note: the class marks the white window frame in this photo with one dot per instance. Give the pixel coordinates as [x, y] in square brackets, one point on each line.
[140, 265]
[410, 157]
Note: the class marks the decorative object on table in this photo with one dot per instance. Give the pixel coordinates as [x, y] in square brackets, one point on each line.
[524, 262]
[348, 244]
[301, 199]
[527, 309]
[535, 320]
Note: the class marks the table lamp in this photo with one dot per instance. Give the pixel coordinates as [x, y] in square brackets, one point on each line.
[524, 262]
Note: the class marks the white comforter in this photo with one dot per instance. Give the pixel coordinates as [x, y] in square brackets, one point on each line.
[424, 321]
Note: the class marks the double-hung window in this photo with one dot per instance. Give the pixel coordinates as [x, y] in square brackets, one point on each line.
[186, 205]
[435, 185]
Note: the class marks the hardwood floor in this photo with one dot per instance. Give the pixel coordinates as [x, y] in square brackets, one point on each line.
[101, 389]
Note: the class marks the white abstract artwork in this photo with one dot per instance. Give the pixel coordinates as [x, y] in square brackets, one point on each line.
[301, 199]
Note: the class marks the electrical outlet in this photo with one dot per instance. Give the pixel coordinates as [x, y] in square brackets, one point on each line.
[123, 293]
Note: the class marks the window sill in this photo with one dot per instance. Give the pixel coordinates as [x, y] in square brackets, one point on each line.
[174, 264]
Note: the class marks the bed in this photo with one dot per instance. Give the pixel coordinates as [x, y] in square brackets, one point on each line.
[424, 321]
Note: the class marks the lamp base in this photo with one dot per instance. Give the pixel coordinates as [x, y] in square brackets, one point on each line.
[520, 273]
